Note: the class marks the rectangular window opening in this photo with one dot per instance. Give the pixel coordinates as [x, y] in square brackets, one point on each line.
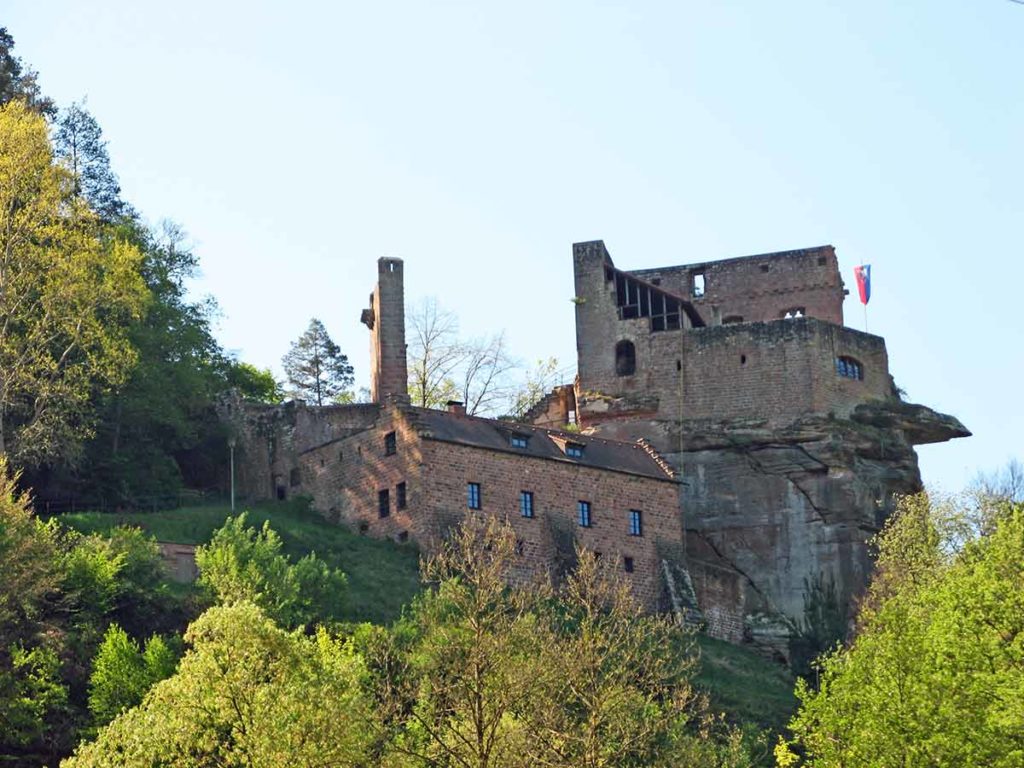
[583, 514]
[698, 285]
[627, 564]
[400, 499]
[519, 441]
[390, 444]
[636, 522]
[574, 450]
[384, 502]
[473, 499]
[526, 503]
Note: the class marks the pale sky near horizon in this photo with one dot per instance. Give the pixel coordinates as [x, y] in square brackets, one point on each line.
[298, 142]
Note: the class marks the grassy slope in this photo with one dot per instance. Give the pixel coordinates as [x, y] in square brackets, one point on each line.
[747, 686]
[383, 577]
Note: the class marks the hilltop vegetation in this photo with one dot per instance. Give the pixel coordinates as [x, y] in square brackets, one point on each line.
[382, 576]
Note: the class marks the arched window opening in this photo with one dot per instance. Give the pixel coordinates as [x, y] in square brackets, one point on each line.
[732, 319]
[794, 312]
[625, 358]
[849, 368]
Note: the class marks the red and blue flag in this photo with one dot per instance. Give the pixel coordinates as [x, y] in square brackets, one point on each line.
[863, 275]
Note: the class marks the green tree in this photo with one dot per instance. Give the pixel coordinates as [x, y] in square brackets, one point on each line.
[622, 692]
[18, 81]
[119, 577]
[538, 382]
[257, 384]
[78, 143]
[122, 672]
[475, 658]
[159, 430]
[243, 564]
[482, 674]
[935, 674]
[316, 368]
[28, 554]
[68, 292]
[33, 697]
[246, 694]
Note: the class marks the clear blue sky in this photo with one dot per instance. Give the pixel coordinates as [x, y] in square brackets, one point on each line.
[297, 142]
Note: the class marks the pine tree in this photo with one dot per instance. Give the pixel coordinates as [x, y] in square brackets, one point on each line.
[78, 141]
[316, 368]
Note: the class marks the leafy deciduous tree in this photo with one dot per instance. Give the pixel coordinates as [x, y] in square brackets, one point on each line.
[247, 695]
[67, 294]
[935, 675]
[122, 672]
[243, 564]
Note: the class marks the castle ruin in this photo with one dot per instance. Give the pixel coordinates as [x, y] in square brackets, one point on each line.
[781, 430]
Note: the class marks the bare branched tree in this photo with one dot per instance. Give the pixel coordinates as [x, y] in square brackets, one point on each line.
[544, 376]
[444, 367]
[435, 354]
[485, 371]
[1005, 484]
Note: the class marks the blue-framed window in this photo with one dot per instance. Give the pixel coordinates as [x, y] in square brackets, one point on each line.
[583, 514]
[473, 498]
[574, 450]
[636, 522]
[519, 441]
[526, 503]
[849, 368]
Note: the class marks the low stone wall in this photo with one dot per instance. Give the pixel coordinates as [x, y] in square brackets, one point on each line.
[179, 560]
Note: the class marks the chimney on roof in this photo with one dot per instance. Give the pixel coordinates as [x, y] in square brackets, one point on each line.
[386, 321]
[457, 406]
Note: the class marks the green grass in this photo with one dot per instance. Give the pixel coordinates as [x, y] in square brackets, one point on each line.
[382, 576]
[745, 685]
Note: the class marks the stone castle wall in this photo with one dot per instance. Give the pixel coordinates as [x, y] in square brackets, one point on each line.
[345, 478]
[788, 467]
[760, 288]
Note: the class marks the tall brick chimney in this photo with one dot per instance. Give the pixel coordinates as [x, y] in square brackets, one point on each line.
[386, 321]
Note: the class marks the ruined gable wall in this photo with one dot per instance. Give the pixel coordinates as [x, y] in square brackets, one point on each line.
[557, 487]
[760, 288]
[345, 476]
[271, 437]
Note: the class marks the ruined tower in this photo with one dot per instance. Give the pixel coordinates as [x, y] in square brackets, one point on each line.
[386, 320]
[790, 435]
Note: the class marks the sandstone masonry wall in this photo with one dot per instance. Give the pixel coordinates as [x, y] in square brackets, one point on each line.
[345, 478]
[762, 287]
[557, 487]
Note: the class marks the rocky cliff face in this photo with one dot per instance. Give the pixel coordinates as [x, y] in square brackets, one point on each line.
[783, 506]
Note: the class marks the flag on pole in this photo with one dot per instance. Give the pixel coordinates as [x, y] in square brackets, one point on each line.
[863, 275]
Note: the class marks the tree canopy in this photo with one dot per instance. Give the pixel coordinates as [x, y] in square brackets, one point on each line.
[69, 291]
[316, 368]
[935, 673]
[79, 144]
